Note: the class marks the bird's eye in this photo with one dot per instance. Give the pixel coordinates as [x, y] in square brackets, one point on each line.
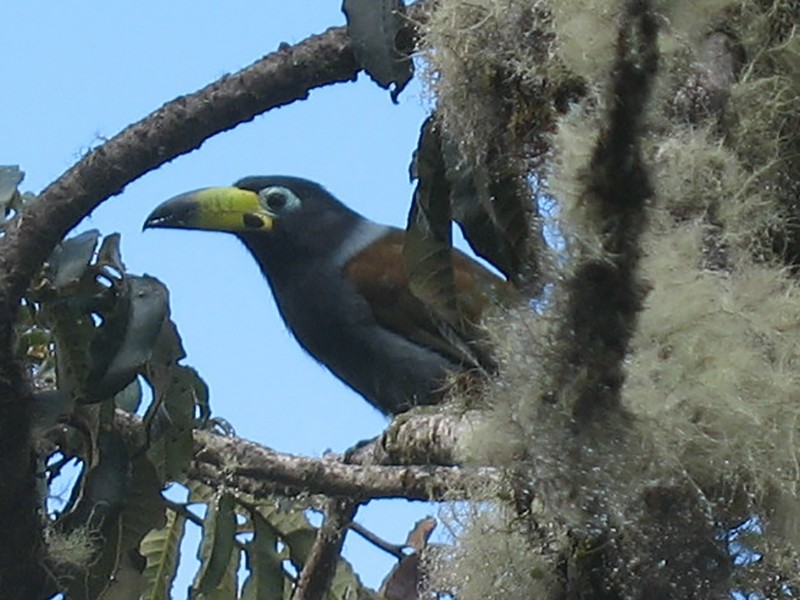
[275, 200]
[278, 199]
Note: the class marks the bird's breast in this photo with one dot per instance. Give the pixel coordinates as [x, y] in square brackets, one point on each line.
[335, 324]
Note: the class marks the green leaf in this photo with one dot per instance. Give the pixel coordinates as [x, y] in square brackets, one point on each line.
[73, 332]
[125, 340]
[161, 548]
[218, 545]
[493, 207]
[168, 348]
[70, 259]
[144, 508]
[346, 585]
[266, 580]
[293, 527]
[130, 397]
[107, 483]
[374, 27]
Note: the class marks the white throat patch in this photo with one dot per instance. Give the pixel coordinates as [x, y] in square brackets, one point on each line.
[362, 236]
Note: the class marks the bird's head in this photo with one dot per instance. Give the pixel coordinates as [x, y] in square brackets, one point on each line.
[286, 212]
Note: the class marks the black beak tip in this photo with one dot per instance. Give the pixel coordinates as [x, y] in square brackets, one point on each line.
[176, 213]
[151, 222]
[157, 219]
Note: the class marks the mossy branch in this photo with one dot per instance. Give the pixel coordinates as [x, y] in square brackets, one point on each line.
[603, 296]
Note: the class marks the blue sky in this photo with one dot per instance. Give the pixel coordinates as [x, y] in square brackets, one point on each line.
[75, 73]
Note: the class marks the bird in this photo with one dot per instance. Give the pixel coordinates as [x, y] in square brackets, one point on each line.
[342, 289]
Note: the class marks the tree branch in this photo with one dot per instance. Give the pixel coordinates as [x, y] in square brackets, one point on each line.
[260, 471]
[603, 295]
[320, 568]
[419, 437]
[395, 550]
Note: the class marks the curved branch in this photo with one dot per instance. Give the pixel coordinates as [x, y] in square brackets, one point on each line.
[176, 128]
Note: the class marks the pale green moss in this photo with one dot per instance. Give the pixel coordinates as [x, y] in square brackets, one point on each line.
[586, 35]
[713, 376]
[489, 559]
[74, 550]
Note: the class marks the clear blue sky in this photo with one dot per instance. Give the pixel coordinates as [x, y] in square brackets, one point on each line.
[75, 73]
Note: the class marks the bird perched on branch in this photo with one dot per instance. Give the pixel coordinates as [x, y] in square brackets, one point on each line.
[341, 286]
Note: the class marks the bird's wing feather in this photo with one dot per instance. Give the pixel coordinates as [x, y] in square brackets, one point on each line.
[379, 275]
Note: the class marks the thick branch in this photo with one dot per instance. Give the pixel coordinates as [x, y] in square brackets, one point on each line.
[260, 471]
[418, 438]
[176, 128]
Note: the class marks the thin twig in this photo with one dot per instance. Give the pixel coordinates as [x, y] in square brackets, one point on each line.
[393, 549]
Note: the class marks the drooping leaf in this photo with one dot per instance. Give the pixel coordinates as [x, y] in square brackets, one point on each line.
[161, 549]
[346, 585]
[428, 246]
[99, 508]
[73, 331]
[168, 348]
[107, 484]
[130, 397]
[229, 586]
[294, 529]
[374, 27]
[125, 340]
[218, 545]
[71, 258]
[266, 580]
[492, 206]
[144, 508]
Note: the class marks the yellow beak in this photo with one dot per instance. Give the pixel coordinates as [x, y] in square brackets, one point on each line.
[217, 209]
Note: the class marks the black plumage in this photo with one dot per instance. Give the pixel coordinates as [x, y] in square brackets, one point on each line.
[340, 284]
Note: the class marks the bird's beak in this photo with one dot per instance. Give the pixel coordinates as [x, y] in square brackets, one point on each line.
[217, 209]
